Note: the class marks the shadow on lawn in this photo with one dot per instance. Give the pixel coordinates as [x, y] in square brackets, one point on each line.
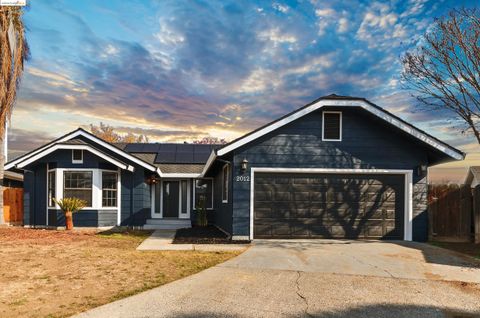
[377, 310]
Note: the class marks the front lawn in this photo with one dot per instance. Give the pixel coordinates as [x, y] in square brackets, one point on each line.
[47, 273]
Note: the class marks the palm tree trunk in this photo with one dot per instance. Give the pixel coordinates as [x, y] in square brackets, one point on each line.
[2, 175]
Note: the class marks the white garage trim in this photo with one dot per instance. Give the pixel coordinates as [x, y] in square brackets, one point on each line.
[408, 197]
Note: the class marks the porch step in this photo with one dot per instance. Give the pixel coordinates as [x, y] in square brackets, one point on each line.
[167, 224]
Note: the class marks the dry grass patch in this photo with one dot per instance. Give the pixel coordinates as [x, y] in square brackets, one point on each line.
[56, 273]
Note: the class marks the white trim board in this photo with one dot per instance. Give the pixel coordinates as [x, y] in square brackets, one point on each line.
[343, 103]
[81, 132]
[96, 152]
[408, 196]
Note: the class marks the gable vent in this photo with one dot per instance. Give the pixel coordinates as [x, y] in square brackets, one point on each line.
[332, 126]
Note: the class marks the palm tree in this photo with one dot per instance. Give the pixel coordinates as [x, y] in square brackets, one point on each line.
[13, 53]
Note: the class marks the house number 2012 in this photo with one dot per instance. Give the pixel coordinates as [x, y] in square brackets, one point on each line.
[242, 178]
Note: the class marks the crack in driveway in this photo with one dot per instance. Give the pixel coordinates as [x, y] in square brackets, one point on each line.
[302, 297]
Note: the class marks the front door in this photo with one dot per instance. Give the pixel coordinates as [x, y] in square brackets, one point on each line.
[171, 199]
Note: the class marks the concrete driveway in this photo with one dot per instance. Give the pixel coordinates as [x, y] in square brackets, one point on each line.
[319, 278]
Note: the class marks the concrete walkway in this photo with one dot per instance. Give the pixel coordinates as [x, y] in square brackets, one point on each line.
[318, 279]
[161, 240]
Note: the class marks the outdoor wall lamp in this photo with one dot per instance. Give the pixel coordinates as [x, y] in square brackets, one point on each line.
[244, 164]
[422, 170]
[152, 179]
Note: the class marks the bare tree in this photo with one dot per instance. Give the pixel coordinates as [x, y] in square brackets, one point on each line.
[108, 133]
[210, 141]
[444, 70]
[13, 53]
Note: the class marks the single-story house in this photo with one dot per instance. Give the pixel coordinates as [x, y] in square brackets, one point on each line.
[339, 167]
[473, 176]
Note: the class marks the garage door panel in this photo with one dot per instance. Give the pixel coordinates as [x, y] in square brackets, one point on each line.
[328, 205]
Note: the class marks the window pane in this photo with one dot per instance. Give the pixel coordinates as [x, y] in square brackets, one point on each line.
[331, 126]
[78, 184]
[204, 189]
[77, 154]
[184, 196]
[109, 189]
[51, 188]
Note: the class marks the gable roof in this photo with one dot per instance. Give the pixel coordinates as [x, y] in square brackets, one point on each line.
[473, 176]
[344, 101]
[337, 101]
[70, 141]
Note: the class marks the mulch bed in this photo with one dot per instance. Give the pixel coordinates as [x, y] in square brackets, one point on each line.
[203, 235]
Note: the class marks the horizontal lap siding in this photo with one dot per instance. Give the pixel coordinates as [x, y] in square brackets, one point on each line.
[85, 218]
[134, 200]
[367, 143]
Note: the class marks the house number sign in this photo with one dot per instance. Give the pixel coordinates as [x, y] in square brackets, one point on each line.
[242, 178]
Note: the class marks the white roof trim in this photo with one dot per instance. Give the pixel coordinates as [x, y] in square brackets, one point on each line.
[13, 175]
[80, 132]
[47, 151]
[344, 103]
[210, 160]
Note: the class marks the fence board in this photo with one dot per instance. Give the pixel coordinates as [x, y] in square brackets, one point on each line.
[13, 205]
[450, 209]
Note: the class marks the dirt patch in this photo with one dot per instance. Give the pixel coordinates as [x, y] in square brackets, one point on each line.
[59, 273]
[401, 255]
[467, 248]
[203, 235]
[469, 288]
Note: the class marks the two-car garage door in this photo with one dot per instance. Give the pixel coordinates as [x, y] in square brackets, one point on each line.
[300, 205]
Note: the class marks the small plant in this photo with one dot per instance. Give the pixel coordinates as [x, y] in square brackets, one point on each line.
[202, 220]
[70, 206]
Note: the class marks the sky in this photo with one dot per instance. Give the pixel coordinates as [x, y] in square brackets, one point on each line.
[180, 70]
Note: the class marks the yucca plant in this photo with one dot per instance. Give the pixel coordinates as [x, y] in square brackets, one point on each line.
[70, 206]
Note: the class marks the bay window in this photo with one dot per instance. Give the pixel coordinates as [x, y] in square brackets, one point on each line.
[78, 184]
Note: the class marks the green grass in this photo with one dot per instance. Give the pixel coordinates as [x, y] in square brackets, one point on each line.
[124, 234]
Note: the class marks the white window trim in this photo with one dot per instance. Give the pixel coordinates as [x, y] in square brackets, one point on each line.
[194, 187]
[77, 161]
[101, 187]
[96, 188]
[225, 168]
[323, 125]
[408, 204]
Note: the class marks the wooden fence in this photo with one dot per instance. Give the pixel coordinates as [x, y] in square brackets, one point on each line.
[13, 205]
[454, 213]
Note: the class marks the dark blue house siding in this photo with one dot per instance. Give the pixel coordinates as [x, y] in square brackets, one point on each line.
[223, 211]
[85, 218]
[134, 201]
[367, 142]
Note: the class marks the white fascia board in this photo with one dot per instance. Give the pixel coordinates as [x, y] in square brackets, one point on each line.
[13, 175]
[97, 140]
[343, 103]
[69, 147]
[210, 161]
[181, 175]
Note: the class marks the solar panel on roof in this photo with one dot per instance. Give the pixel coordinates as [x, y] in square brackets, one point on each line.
[167, 147]
[183, 157]
[184, 148]
[165, 157]
[134, 148]
[200, 157]
[150, 148]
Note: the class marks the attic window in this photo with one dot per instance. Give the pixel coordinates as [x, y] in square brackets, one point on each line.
[77, 156]
[332, 126]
